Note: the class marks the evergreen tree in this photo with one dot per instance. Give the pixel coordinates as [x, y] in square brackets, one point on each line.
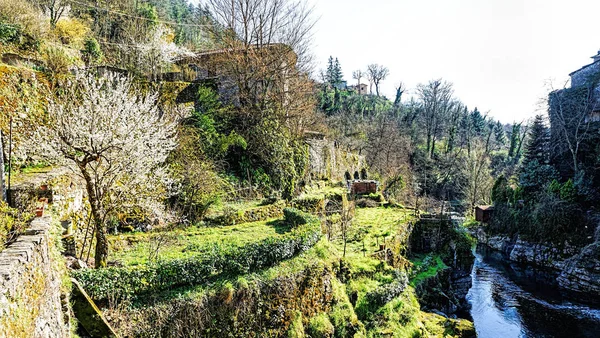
[537, 147]
[338, 76]
[479, 125]
[329, 74]
[334, 75]
[499, 131]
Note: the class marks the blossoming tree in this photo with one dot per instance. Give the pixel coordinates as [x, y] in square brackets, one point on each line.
[116, 139]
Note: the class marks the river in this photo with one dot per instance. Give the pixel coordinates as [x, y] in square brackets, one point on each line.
[507, 302]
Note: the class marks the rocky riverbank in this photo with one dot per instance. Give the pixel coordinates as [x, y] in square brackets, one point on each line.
[576, 270]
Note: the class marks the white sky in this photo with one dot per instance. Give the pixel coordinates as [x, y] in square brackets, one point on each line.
[499, 54]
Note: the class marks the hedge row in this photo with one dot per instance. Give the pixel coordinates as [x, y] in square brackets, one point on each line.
[127, 282]
[311, 204]
[262, 213]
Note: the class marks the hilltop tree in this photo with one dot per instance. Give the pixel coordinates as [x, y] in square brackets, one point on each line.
[358, 75]
[116, 140]
[334, 73]
[376, 73]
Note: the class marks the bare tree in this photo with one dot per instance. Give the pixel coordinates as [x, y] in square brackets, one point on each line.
[116, 140]
[266, 54]
[377, 73]
[436, 98]
[478, 186]
[347, 215]
[569, 111]
[55, 9]
[357, 75]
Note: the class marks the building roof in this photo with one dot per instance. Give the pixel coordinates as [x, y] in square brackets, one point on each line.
[485, 207]
[597, 56]
[582, 68]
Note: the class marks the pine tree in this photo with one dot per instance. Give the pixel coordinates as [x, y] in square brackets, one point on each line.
[337, 76]
[334, 75]
[329, 74]
[479, 125]
[537, 147]
[499, 131]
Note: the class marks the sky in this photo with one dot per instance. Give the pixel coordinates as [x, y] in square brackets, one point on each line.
[500, 55]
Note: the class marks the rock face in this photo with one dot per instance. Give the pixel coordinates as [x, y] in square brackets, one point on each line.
[580, 275]
[578, 270]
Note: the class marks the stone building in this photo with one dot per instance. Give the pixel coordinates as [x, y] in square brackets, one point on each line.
[361, 89]
[273, 65]
[574, 112]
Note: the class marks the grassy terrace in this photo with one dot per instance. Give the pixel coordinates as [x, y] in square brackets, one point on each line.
[374, 226]
[141, 248]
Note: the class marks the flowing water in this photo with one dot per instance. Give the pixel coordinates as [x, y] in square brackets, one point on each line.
[507, 302]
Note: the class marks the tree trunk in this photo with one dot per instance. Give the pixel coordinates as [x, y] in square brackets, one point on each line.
[101, 241]
[101, 247]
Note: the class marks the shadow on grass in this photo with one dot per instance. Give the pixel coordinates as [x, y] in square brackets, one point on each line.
[281, 227]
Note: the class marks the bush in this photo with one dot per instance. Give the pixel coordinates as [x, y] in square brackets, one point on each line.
[127, 282]
[71, 31]
[295, 217]
[320, 326]
[57, 60]
[9, 33]
[311, 204]
[91, 52]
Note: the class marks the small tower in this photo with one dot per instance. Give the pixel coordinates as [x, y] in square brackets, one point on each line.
[596, 57]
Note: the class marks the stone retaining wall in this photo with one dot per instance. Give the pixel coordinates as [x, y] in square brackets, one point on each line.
[30, 295]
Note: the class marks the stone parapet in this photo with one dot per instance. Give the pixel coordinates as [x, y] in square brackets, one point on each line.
[30, 289]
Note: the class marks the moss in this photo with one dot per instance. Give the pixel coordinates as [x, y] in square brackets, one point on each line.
[426, 267]
[296, 329]
[320, 326]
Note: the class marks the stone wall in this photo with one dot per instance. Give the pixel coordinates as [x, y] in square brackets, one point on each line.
[581, 76]
[327, 161]
[31, 304]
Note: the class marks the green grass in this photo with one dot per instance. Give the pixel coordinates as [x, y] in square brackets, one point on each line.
[139, 248]
[426, 266]
[374, 226]
[313, 192]
[241, 205]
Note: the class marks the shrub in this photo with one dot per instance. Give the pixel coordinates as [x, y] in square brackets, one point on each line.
[57, 60]
[311, 204]
[71, 31]
[232, 216]
[320, 326]
[91, 52]
[127, 282]
[9, 33]
[294, 217]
